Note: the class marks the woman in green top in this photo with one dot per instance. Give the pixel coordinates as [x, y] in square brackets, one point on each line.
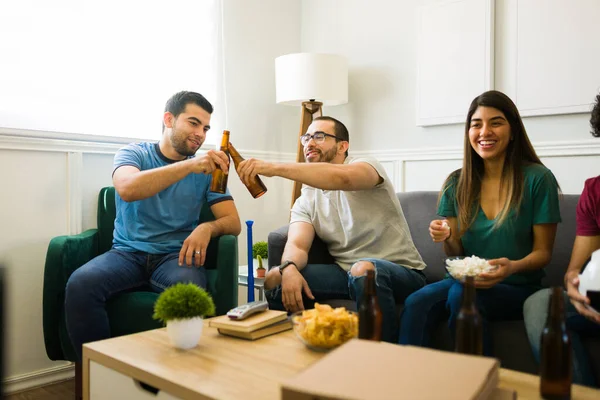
[502, 205]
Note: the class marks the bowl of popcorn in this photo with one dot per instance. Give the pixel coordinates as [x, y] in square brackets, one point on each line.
[461, 267]
[324, 327]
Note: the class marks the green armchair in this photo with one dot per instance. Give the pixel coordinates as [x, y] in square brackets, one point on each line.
[128, 312]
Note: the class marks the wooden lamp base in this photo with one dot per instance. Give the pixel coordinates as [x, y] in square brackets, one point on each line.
[310, 110]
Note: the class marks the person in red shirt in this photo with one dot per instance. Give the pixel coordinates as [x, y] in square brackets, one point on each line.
[581, 320]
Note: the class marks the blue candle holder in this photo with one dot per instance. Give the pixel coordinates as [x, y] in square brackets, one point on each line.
[250, 263]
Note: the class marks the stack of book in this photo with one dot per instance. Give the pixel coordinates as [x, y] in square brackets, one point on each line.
[254, 327]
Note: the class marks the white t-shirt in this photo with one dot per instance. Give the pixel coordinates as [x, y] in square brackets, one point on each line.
[359, 224]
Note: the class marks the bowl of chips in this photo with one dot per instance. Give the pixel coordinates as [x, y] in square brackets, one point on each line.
[324, 327]
[461, 267]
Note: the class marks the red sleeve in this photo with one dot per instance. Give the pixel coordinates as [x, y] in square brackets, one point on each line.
[588, 209]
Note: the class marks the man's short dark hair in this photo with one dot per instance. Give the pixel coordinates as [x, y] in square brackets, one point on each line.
[177, 103]
[595, 118]
[339, 129]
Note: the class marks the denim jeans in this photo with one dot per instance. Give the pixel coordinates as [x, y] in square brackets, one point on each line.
[424, 309]
[109, 274]
[536, 313]
[329, 281]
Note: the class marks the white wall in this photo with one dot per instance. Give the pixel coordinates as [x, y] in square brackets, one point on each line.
[256, 32]
[51, 184]
[379, 38]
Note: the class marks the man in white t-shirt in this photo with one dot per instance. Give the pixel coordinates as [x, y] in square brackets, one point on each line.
[351, 205]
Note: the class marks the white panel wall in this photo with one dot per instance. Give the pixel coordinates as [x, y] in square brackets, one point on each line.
[558, 55]
[428, 175]
[33, 208]
[96, 170]
[379, 38]
[455, 63]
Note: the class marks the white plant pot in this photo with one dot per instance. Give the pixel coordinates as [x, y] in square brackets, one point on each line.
[185, 333]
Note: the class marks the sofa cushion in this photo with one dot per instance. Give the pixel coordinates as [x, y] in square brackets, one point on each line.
[419, 210]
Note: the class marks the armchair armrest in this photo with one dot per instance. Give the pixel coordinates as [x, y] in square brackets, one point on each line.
[65, 254]
[222, 255]
[318, 253]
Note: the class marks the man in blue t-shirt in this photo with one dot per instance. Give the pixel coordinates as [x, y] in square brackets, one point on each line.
[158, 240]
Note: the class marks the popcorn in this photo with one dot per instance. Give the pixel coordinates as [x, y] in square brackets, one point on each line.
[468, 266]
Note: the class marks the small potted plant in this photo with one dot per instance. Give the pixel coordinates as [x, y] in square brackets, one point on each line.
[259, 252]
[182, 308]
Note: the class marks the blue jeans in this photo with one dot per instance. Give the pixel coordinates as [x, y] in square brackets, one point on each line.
[424, 309]
[536, 313]
[109, 274]
[329, 281]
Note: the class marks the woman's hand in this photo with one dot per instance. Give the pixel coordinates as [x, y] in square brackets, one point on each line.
[439, 230]
[502, 271]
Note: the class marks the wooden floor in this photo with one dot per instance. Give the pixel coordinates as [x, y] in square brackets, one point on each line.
[64, 390]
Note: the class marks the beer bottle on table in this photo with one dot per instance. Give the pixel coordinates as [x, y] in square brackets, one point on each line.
[256, 188]
[469, 326]
[369, 313]
[218, 183]
[555, 352]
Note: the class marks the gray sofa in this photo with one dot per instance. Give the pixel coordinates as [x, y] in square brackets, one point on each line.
[510, 340]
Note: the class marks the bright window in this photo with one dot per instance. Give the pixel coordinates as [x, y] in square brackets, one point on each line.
[106, 67]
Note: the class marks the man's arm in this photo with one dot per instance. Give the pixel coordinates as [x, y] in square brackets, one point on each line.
[227, 222]
[227, 219]
[133, 184]
[322, 175]
[300, 238]
[583, 248]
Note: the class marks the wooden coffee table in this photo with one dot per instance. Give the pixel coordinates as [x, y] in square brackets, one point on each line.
[220, 368]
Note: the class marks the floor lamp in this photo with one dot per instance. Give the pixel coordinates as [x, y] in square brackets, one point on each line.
[310, 81]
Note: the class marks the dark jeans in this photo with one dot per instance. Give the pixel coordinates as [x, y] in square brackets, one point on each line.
[536, 313]
[424, 309]
[109, 274]
[329, 281]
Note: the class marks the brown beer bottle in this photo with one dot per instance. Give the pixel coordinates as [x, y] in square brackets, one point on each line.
[555, 352]
[469, 326]
[369, 313]
[256, 188]
[218, 183]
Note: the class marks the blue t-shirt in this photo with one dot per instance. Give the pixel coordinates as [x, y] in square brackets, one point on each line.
[514, 238]
[159, 224]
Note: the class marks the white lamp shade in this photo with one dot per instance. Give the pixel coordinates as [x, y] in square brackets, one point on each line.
[305, 76]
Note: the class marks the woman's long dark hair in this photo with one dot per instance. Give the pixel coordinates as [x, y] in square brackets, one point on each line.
[519, 152]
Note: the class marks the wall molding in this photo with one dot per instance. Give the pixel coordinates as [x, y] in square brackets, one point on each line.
[399, 158]
[13, 139]
[42, 377]
[76, 145]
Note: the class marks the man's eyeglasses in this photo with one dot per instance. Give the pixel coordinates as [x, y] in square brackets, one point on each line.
[318, 137]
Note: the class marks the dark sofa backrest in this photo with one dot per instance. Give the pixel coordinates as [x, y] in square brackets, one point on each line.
[420, 208]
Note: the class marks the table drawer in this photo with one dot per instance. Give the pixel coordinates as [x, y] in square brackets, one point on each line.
[108, 384]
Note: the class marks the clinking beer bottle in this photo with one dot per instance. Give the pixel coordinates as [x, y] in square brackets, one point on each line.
[469, 326]
[369, 313]
[256, 188]
[218, 183]
[555, 352]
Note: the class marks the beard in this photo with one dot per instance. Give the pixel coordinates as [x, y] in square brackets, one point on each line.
[180, 144]
[327, 156]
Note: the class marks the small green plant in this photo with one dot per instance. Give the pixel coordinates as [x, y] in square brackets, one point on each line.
[259, 251]
[183, 301]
